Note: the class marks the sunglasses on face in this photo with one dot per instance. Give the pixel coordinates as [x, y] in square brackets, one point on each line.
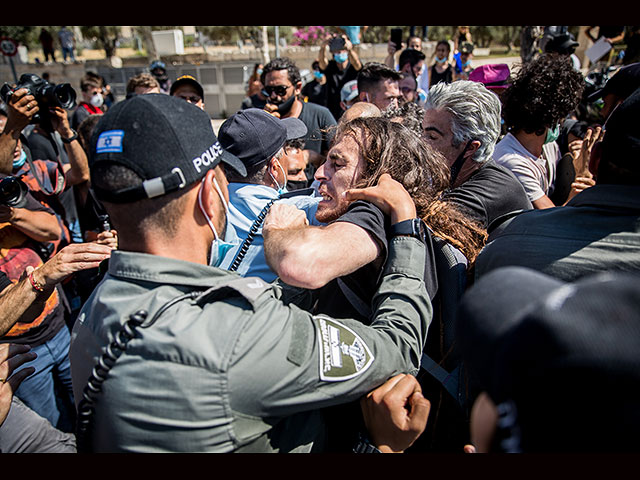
[280, 90]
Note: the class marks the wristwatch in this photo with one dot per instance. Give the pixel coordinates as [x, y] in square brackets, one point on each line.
[71, 138]
[410, 228]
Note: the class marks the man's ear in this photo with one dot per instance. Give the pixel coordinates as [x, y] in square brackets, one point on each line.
[473, 147]
[208, 193]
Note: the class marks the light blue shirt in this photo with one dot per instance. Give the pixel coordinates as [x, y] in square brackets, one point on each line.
[246, 201]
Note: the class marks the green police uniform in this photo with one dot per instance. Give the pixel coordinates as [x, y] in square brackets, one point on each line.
[239, 368]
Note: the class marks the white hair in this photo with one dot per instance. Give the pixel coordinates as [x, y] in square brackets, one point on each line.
[475, 113]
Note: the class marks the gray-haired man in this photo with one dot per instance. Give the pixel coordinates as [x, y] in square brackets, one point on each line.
[462, 121]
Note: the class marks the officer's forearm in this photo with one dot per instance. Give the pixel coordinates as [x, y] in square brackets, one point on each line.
[403, 290]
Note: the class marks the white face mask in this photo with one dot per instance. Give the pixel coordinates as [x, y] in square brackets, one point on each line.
[97, 100]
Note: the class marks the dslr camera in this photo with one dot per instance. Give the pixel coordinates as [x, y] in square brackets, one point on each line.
[47, 95]
[13, 192]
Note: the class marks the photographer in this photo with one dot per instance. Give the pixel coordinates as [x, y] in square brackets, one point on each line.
[53, 160]
[21, 429]
[342, 67]
[26, 226]
[22, 106]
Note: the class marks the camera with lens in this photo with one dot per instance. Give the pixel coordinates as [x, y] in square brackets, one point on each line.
[13, 192]
[47, 95]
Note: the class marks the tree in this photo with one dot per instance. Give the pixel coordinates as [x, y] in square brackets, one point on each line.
[106, 36]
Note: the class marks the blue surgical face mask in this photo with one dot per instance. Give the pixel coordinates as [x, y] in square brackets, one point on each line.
[17, 163]
[441, 60]
[552, 135]
[281, 189]
[219, 247]
[340, 57]
[318, 74]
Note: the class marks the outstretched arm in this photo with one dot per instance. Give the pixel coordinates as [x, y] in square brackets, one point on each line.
[24, 300]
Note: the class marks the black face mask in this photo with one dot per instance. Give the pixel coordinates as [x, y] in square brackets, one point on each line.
[457, 165]
[296, 185]
[285, 106]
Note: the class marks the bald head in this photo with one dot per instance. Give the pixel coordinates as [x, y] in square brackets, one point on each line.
[360, 110]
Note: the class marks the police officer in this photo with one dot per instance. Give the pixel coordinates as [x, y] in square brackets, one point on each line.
[194, 358]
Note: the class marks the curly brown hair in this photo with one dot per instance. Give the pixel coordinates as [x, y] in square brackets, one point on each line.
[542, 93]
[390, 147]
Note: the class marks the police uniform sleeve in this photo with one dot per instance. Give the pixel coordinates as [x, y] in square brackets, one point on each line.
[286, 360]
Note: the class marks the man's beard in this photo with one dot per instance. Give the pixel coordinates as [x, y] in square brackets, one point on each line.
[329, 214]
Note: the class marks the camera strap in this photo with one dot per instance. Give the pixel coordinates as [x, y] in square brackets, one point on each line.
[60, 182]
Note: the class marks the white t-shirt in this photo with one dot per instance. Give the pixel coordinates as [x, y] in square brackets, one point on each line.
[537, 174]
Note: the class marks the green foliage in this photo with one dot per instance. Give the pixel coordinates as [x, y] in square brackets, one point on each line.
[25, 35]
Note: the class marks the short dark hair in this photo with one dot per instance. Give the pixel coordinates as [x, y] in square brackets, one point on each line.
[282, 63]
[90, 79]
[411, 56]
[373, 73]
[160, 212]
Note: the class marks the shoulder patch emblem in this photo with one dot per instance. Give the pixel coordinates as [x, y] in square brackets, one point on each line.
[343, 354]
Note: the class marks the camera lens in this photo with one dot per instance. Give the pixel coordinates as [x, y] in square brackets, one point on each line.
[13, 192]
[66, 95]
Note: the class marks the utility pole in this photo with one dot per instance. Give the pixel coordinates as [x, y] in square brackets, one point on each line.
[265, 45]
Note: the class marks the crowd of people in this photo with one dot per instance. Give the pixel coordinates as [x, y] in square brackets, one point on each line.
[398, 256]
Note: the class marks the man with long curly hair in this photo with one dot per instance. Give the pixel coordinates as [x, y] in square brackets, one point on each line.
[542, 94]
[342, 261]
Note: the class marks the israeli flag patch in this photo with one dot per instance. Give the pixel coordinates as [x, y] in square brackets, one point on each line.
[110, 141]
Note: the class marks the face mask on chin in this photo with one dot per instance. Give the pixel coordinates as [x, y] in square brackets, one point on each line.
[293, 185]
[552, 135]
[18, 162]
[285, 106]
[281, 189]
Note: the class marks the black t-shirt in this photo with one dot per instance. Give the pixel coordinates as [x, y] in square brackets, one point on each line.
[320, 130]
[319, 121]
[254, 101]
[492, 191]
[364, 282]
[315, 92]
[436, 77]
[336, 79]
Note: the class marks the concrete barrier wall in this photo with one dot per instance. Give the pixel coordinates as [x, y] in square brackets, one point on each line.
[223, 76]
